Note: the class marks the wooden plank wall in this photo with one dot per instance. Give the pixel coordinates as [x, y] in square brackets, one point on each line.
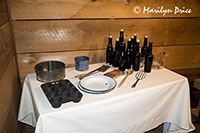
[60, 30]
[9, 79]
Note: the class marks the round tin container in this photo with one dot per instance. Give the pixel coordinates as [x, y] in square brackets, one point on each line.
[50, 71]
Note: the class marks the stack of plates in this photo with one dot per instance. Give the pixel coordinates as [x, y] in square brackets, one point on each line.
[97, 84]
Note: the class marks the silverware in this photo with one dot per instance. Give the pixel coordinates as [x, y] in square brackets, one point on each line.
[102, 68]
[128, 72]
[139, 76]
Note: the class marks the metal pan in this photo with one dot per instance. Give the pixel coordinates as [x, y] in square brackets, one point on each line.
[50, 71]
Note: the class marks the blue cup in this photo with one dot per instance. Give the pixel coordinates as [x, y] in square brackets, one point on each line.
[81, 63]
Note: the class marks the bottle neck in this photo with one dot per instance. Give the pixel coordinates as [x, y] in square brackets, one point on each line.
[137, 46]
[129, 44]
[150, 47]
[121, 37]
[117, 45]
[145, 41]
[110, 40]
[135, 39]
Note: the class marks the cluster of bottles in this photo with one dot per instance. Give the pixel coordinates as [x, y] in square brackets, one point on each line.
[129, 57]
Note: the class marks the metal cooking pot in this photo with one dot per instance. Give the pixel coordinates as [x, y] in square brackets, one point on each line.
[50, 71]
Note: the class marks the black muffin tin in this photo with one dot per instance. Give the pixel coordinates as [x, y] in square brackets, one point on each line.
[61, 92]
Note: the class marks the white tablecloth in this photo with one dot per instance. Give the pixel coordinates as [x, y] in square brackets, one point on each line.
[162, 97]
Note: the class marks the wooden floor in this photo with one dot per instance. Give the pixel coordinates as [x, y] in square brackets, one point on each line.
[196, 123]
[197, 126]
[28, 129]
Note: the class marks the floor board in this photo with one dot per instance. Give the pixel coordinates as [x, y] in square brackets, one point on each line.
[28, 129]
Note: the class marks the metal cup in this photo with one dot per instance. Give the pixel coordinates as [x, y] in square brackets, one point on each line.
[81, 63]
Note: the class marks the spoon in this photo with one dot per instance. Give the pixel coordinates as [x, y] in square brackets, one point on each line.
[128, 72]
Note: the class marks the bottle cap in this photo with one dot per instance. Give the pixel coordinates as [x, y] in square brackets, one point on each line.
[117, 39]
[146, 36]
[132, 37]
[122, 30]
[110, 36]
[138, 41]
[129, 39]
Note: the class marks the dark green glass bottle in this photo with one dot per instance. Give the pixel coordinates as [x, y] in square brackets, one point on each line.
[109, 51]
[144, 47]
[128, 55]
[148, 59]
[122, 60]
[121, 36]
[136, 65]
[116, 54]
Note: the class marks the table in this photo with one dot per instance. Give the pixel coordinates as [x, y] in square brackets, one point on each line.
[162, 97]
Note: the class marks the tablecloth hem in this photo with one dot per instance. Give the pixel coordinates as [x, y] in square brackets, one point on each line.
[26, 120]
[179, 129]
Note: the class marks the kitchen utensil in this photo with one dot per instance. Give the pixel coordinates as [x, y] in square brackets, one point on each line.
[102, 68]
[129, 72]
[114, 73]
[50, 71]
[93, 92]
[60, 92]
[81, 63]
[97, 84]
[139, 76]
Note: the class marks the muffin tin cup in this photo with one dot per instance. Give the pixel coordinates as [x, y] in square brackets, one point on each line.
[56, 102]
[77, 97]
[61, 92]
[52, 95]
[48, 90]
[66, 96]
[72, 90]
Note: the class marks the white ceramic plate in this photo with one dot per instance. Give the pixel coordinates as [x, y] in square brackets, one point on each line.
[98, 83]
[93, 92]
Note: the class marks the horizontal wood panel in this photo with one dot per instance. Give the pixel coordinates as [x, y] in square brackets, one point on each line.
[6, 56]
[51, 9]
[27, 62]
[191, 74]
[11, 118]
[9, 97]
[1, 42]
[176, 57]
[9, 80]
[6, 32]
[4, 18]
[179, 57]
[41, 36]
[6, 47]
[3, 12]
